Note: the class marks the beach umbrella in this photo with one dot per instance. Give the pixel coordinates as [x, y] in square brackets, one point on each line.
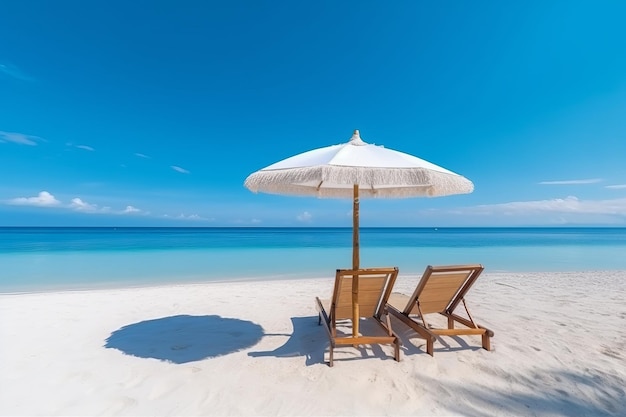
[353, 170]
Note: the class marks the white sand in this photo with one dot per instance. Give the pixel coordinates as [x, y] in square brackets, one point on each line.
[254, 348]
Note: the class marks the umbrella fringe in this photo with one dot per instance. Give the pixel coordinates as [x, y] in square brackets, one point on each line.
[407, 182]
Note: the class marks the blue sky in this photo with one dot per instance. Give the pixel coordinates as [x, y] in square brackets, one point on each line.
[153, 113]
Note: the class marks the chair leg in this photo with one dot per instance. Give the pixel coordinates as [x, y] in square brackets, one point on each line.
[319, 319]
[450, 323]
[330, 357]
[486, 341]
[430, 347]
[397, 351]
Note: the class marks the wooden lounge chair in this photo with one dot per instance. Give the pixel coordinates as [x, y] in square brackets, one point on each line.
[367, 304]
[440, 290]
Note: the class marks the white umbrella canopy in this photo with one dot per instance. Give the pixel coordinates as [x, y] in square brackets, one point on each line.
[356, 169]
[333, 171]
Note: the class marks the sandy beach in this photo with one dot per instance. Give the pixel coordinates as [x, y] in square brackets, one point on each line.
[255, 348]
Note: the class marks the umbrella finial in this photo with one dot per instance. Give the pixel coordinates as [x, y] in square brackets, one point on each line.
[356, 139]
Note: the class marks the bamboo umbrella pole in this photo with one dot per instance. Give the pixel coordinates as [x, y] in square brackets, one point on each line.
[355, 262]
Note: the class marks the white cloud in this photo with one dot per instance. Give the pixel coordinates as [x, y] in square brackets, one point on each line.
[195, 217]
[43, 199]
[304, 217]
[616, 187]
[179, 169]
[85, 207]
[572, 182]
[251, 221]
[571, 205]
[83, 147]
[15, 72]
[140, 155]
[80, 205]
[19, 138]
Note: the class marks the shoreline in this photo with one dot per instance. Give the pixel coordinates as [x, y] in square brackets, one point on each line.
[114, 286]
[254, 348]
[103, 286]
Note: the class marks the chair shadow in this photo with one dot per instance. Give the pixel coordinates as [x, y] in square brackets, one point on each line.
[183, 338]
[307, 340]
[413, 344]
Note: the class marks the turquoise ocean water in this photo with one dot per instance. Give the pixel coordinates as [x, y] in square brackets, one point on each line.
[36, 259]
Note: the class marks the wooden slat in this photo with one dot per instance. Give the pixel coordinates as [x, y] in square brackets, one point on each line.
[365, 340]
[370, 289]
[453, 332]
[448, 279]
[440, 290]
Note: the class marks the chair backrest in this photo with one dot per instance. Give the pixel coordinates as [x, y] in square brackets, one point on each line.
[441, 288]
[375, 285]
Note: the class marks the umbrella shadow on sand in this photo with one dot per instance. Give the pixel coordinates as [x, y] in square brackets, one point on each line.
[182, 339]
